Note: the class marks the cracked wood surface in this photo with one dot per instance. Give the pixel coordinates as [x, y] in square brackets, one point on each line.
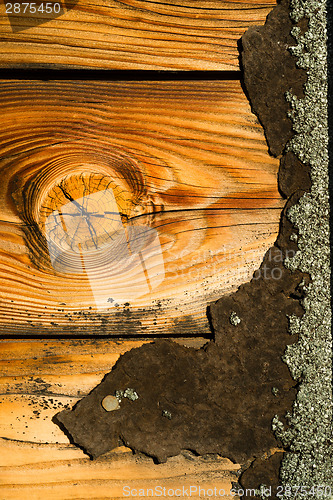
[131, 34]
[37, 460]
[215, 130]
[187, 169]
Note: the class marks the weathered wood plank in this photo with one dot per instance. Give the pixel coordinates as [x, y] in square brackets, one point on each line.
[36, 366]
[185, 163]
[36, 458]
[131, 34]
[110, 477]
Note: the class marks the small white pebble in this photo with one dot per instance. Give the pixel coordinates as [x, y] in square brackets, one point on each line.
[110, 403]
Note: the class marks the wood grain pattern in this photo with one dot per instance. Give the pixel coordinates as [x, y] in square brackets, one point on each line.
[36, 459]
[192, 163]
[132, 34]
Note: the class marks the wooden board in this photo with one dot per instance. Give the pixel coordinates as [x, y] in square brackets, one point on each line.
[186, 164]
[37, 461]
[131, 34]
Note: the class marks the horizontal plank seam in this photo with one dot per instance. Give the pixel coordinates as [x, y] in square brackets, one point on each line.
[120, 75]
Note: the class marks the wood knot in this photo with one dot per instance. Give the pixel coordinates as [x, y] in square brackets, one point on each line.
[70, 206]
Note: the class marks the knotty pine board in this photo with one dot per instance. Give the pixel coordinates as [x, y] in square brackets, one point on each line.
[188, 160]
[131, 34]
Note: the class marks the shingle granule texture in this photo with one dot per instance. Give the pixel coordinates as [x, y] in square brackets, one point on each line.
[309, 460]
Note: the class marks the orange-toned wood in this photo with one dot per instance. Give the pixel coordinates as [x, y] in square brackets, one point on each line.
[131, 34]
[36, 459]
[185, 160]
